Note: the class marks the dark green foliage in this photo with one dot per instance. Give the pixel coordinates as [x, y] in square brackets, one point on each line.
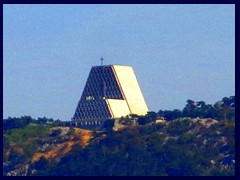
[55, 132]
[151, 150]
[149, 129]
[190, 109]
[20, 139]
[180, 147]
[17, 158]
[175, 149]
[170, 115]
[178, 127]
[109, 124]
[13, 123]
[221, 110]
[188, 137]
[148, 118]
[41, 163]
[42, 120]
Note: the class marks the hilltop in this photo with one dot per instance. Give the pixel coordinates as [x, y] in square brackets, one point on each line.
[184, 146]
[197, 141]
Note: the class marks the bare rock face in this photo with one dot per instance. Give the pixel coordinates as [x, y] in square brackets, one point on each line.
[62, 130]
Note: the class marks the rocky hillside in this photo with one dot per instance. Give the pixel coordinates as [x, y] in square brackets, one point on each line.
[182, 147]
[29, 146]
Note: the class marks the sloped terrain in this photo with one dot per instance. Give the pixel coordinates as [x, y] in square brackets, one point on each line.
[182, 147]
[26, 147]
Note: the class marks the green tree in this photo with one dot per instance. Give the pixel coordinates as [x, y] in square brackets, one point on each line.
[149, 117]
[190, 109]
[171, 115]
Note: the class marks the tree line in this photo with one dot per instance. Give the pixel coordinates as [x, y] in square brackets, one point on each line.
[20, 122]
[221, 110]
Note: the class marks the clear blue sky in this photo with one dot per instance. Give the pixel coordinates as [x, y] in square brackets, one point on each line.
[178, 52]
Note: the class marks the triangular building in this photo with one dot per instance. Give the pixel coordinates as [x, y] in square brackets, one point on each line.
[111, 91]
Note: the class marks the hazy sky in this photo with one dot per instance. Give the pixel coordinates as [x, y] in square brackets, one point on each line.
[178, 52]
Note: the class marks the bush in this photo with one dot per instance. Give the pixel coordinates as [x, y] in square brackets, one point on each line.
[55, 132]
[41, 163]
[108, 124]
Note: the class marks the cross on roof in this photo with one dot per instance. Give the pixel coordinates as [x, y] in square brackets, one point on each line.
[101, 61]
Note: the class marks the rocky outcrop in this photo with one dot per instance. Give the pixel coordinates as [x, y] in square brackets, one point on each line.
[60, 141]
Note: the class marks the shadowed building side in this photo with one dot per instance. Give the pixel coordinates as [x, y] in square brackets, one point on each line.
[110, 92]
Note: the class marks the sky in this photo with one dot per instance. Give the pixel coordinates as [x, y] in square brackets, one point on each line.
[178, 52]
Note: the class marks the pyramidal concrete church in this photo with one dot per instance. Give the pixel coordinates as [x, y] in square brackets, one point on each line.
[111, 91]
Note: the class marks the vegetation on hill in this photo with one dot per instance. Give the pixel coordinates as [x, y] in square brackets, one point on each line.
[221, 110]
[25, 150]
[197, 145]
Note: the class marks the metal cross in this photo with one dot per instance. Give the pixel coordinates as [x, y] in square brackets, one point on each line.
[101, 60]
